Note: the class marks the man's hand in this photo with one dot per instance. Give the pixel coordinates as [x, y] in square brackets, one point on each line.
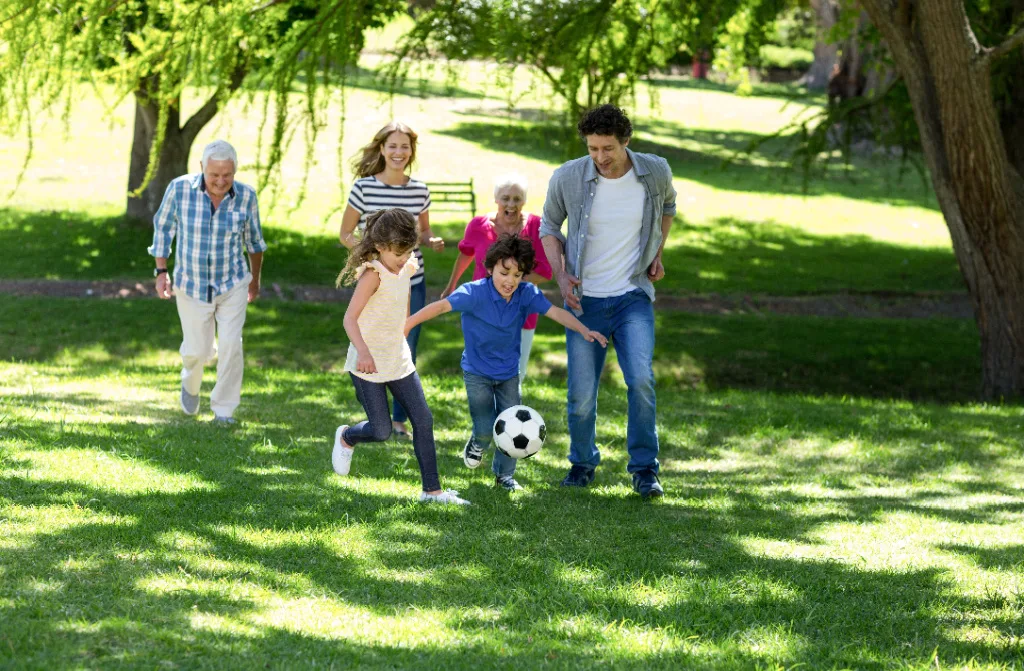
[437, 244]
[254, 289]
[566, 284]
[163, 286]
[657, 269]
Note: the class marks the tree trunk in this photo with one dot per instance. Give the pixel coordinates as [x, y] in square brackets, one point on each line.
[826, 53]
[172, 161]
[979, 191]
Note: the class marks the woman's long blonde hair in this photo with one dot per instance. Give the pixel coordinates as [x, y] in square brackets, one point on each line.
[393, 229]
[370, 160]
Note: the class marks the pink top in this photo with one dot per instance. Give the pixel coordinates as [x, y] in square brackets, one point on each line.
[480, 235]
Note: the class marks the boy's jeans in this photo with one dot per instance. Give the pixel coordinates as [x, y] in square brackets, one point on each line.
[628, 321]
[487, 398]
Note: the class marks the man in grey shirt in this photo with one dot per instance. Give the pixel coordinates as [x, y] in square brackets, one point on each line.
[619, 205]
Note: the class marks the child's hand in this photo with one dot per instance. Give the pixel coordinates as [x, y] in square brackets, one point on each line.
[365, 363]
[591, 336]
[437, 244]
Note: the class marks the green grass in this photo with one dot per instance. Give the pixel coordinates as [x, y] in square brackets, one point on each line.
[816, 516]
[835, 498]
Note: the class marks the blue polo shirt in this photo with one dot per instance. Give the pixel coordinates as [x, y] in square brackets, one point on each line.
[492, 327]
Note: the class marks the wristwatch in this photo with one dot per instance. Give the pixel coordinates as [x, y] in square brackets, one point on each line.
[158, 271]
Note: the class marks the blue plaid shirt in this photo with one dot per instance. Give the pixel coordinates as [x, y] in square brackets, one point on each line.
[209, 260]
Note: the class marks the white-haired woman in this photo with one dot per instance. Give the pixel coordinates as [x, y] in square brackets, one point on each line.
[483, 231]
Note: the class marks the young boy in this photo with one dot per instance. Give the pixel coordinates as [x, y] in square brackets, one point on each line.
[493, 311]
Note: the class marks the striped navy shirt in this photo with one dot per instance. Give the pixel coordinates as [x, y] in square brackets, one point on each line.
[209, 260]
[369, 194]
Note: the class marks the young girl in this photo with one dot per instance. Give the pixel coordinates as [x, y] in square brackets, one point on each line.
[378, 356]
[382, 168]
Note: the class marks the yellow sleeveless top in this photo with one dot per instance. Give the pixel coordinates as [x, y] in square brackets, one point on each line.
[382, 323]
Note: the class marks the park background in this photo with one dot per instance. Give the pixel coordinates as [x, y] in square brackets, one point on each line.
[837, 497]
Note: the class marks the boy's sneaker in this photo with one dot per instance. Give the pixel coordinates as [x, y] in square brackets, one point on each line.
[508, 483]
[578, 476]
[341, 455]
[646, 484]
[446, 496]
[472, 454]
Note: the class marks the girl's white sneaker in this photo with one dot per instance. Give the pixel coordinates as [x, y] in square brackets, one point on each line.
[341, 456]
[446, 496]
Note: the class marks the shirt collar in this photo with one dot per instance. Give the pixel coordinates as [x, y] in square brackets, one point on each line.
[199, 183]
[590, 172]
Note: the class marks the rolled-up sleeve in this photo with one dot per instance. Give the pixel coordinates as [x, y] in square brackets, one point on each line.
[669, 204]
[254, 241]
[165, 225]
[554, 210]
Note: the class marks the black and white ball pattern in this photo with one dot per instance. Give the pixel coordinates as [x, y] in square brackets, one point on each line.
[519, 432]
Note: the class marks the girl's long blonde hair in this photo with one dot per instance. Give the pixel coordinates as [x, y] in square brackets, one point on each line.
[370, 160]
[393, 229]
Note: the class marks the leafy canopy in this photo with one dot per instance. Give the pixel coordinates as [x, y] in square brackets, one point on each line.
[156, 49]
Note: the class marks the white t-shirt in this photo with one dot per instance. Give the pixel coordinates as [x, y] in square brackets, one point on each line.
[612, 247]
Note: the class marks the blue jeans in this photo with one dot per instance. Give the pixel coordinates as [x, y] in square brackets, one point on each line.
[628, 321]
[487, 398]
[373, 397]
[417, 299]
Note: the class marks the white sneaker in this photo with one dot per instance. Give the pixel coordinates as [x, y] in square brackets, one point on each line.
[446, 496]
[341, 456]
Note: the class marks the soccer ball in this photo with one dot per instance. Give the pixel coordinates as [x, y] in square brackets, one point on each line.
[519, 432]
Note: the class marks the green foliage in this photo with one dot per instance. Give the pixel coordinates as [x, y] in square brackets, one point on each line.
[156, 49]
[788, 58]
[588, 51]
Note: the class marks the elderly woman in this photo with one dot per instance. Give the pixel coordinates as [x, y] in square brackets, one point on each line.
[483, 231]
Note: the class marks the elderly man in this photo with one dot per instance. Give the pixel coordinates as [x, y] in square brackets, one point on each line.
[620, 206]
[214, 218]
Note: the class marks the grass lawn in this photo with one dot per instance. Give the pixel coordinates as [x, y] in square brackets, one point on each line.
[817, 515]
[835, 499]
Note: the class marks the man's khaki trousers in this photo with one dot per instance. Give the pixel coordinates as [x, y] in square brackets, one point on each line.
[198, 320]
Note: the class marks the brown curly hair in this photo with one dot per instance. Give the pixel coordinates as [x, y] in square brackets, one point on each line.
[393, 229]
[514, 247]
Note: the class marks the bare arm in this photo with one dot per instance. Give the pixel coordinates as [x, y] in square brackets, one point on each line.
[349, 222]
[435, 309]
[657, 269]
[426, 236]
[255, 266]
[365, 287]
[569, 321]
[461, 263]
[566, 283]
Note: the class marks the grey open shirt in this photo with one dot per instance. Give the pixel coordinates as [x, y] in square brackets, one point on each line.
[571, 195]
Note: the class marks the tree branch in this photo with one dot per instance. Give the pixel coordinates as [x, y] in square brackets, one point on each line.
[265, 6]
[989, 56]
[210, 108]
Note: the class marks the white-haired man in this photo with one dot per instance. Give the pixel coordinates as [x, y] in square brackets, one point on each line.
[216, 220]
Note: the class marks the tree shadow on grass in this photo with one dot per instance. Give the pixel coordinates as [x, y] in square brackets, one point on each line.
[701, 155]
[175, 573]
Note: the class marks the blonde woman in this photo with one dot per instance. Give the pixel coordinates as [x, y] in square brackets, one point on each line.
[383, 182]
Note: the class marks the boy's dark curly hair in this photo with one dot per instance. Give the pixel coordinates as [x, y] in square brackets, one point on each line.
[605, 120]
[513, 247]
